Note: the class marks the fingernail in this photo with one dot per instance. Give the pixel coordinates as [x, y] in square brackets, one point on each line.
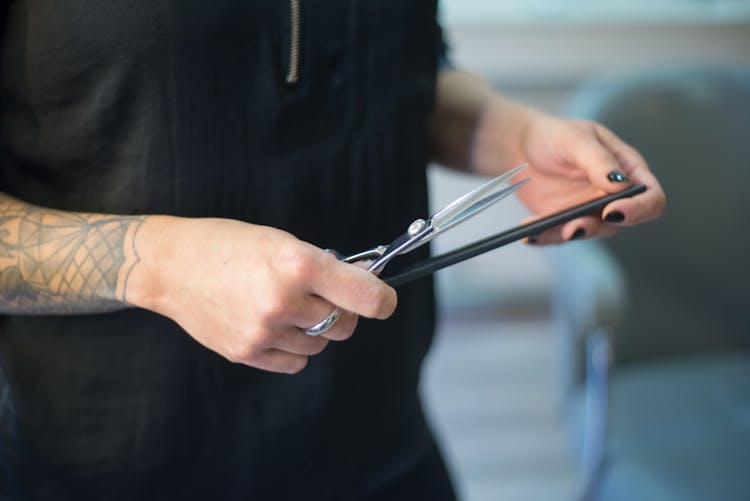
[579, 233]
[617, 177]
[532, 240]
[615, 217]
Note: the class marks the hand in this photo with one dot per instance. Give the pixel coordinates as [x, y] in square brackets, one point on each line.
[569, 162]
[248, 292]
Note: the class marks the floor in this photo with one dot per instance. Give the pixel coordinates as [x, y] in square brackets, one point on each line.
[490, 389]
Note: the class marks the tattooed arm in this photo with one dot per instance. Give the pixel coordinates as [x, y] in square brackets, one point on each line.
[64, 262]
[242, 290]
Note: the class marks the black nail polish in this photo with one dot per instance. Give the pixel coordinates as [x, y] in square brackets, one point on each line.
[617, 177]
[579, 233]
[615, 217]
[532, 240]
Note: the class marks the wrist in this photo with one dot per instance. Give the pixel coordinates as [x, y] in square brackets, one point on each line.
[142, 282]
[501, 133]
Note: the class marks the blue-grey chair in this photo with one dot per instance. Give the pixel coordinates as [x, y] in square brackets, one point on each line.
[663, 410]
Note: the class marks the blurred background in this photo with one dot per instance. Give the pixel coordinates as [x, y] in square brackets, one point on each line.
[617, 370]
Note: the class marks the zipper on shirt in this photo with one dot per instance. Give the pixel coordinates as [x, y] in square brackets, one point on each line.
[295, 32]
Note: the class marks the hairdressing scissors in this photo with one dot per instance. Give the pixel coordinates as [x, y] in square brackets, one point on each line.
[422, 231]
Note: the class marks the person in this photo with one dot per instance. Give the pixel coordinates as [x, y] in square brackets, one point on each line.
[170, 174]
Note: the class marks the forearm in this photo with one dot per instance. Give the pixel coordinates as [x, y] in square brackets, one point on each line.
[463, 130]
[56, 262]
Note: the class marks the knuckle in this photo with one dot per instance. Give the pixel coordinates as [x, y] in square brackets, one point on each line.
[341, 334]
[299, 263]
[320, 345]
[583, 129]
[349, 327]
[661, 205]
[295, 365]
[346, 333]
[244, 353]
[273, 306]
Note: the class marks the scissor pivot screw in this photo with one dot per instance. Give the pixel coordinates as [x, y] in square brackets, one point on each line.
[416, 227]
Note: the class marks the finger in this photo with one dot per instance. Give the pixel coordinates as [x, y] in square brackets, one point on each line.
[586, 228]
[641, 208]
[295, 341]
[644, 207]
[578, 229]
[647, 206]
[343, 329]
[602, 166]
[353, 289]
[307, 310]
[627, 157]
[550, 236]
[274, 360]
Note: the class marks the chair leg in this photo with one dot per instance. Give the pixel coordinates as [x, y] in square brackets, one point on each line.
[593, 454]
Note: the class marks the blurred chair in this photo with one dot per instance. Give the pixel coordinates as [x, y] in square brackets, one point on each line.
[670, 418]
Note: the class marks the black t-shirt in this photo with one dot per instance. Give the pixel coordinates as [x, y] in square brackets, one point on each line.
[184, 107]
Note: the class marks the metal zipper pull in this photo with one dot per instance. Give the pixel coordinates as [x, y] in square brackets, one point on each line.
[295, 22]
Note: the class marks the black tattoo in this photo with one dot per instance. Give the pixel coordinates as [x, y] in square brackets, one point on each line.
[61, 262]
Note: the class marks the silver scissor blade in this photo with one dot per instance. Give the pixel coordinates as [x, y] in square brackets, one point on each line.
[422, 231]
[483, 197]
[446, 216]
[474, 201]
[481, 205]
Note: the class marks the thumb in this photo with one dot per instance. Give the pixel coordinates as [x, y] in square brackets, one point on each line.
[353, 288]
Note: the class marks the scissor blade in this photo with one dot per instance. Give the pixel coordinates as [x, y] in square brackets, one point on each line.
[456, 212]
[437, 228]
[476, 200]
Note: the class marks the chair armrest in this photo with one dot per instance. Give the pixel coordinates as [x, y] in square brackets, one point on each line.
[589, 294]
